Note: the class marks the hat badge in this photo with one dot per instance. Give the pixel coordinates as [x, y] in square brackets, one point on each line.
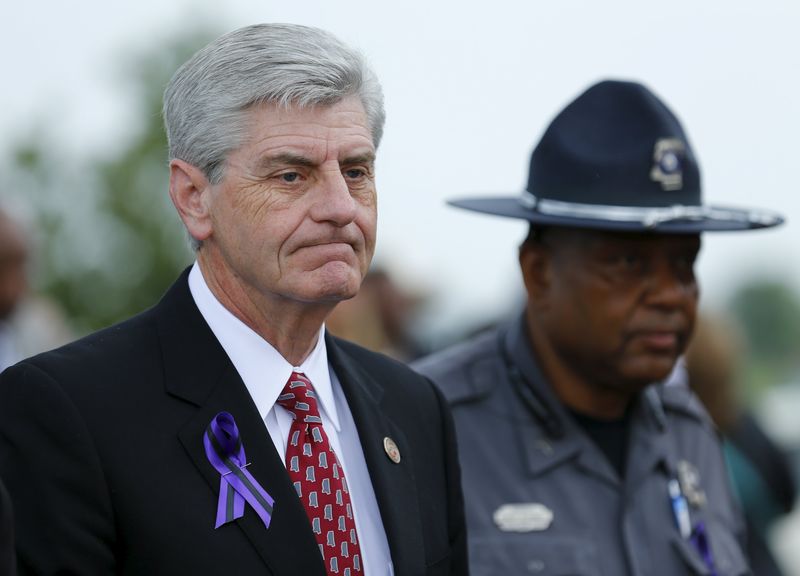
[667, 163]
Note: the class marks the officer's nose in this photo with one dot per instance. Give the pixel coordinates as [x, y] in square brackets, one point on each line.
[671, 283]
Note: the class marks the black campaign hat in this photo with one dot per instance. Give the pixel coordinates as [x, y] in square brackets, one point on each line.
[616, 158]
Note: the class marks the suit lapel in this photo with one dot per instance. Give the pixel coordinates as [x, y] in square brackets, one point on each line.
[198, 371]
[394, 484]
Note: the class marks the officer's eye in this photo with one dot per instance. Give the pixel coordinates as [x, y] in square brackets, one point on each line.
[629, 261]
[684, 264]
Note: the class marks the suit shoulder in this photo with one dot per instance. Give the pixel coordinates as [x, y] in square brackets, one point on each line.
[465, 371]
[372, 360]
[392, 373]
[401, 384]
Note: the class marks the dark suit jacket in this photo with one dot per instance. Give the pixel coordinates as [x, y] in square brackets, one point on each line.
[101, 449]
[6, 534]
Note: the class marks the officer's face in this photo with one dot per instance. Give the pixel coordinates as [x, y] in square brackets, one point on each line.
[616, 309]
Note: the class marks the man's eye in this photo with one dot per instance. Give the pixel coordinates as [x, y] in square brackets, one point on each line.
[627, 264]
[354, 173]
[629, 260]
[290, 177]
[685, 262]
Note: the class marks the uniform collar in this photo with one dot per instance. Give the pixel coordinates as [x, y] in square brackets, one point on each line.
[559, 438]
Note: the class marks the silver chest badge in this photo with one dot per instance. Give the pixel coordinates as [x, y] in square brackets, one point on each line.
[689, 477]
[524, 517]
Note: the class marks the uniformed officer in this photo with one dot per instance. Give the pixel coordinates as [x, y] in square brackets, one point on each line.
[573, 461]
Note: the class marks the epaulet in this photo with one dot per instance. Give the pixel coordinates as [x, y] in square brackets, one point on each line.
[678, 398]
[464, 372]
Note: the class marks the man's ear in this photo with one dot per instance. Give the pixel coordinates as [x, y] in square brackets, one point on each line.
[535, 263]
[190, 192]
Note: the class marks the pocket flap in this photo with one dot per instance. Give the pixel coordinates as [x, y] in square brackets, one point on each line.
[538, 556]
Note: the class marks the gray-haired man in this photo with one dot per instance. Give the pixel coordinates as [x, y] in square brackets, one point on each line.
[223, 431]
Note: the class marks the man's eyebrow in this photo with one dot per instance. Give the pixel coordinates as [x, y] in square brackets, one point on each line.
[289, 159]
[366, 158]
[284, 159]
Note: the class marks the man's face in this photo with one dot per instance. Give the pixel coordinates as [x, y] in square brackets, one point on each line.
[618, 308]
[295, 214]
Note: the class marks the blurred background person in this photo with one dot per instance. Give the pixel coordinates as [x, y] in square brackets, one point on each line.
[761, 471]
[28, 324]
[379, 317]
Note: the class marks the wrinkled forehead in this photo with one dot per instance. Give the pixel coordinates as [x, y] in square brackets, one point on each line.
[344, 119]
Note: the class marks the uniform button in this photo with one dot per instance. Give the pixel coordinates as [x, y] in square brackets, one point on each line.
[535, 566]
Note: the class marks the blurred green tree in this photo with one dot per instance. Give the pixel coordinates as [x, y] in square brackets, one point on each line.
[769, 313]
[108, 240]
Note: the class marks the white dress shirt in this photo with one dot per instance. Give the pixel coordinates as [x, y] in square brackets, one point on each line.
[265, 372]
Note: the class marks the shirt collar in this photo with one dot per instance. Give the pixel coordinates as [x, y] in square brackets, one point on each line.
[262, 368]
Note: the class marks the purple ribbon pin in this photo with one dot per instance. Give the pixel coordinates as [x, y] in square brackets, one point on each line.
[225, 451]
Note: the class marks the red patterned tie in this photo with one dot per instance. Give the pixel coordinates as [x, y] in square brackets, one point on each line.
[319, 480]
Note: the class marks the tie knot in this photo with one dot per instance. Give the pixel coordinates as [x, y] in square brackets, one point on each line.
[299, 398]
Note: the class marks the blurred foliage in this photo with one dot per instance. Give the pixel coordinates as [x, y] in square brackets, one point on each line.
[769, 313]
[107, 237]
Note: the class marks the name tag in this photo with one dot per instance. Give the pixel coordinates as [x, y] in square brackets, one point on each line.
[525, 517]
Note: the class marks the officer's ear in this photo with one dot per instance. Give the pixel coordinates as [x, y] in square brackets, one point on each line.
[535, 262]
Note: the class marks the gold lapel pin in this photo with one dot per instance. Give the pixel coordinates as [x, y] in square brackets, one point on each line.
[391, 450]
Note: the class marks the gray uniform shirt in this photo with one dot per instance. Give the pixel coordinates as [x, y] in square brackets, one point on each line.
[541, 498]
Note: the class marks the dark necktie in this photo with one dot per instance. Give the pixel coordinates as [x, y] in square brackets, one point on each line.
[319, 480]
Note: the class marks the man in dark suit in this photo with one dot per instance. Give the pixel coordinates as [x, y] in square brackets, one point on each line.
[222, 431]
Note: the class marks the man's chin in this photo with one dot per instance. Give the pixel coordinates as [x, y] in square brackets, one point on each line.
[333, 291]
[334, 297]
[652, 371]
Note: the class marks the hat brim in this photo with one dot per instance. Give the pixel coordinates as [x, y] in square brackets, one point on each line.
[670, 220]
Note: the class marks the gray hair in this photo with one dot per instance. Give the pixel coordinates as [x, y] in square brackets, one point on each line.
[206, 100]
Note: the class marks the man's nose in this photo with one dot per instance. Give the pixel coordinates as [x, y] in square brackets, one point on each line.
[333, 203]
[670, 285]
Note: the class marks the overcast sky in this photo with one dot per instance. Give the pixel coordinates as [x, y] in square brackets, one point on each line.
[469, 88]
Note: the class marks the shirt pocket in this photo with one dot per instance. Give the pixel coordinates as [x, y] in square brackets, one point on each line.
[729, 560]
[535, 556]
